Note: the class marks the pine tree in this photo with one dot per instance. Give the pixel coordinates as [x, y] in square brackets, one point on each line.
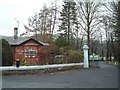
[118, 31]
[7, 54]
[68, 18]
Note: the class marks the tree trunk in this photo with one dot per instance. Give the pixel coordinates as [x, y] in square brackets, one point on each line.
[68, 22]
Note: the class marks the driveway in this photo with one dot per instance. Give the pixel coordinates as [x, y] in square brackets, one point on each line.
[104, 77]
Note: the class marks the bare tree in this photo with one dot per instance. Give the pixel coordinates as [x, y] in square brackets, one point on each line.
[89, 18]
[42, 24]
[112, 32]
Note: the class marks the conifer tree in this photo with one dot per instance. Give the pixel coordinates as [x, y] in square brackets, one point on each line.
[7, 53]
[68, 18]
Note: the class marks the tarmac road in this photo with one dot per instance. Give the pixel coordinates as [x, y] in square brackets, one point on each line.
[104, 77]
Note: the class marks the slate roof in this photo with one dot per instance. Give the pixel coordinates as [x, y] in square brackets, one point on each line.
[21, 40]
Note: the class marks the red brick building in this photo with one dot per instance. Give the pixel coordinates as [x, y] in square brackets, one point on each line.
[29, 50]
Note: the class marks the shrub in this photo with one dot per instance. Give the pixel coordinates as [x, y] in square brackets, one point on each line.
[7, 54]
[74, 56]
[24, 63]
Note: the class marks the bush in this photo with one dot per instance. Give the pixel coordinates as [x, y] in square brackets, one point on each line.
[24, 63]
[7, 54]
[74, 56]
[70, 56]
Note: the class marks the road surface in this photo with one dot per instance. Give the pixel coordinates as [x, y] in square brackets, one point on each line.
[104, 77]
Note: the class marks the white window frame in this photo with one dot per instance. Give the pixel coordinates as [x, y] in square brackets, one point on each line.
[30, 52]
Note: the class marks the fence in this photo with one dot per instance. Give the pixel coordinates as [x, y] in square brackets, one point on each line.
[39, 67]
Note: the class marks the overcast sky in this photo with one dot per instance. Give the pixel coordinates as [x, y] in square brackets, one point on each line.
[10, 10]
[20, 10]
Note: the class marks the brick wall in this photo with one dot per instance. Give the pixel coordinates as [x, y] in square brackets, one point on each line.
[19, 53]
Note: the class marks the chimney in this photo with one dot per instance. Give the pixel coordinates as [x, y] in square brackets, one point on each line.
[15, 33]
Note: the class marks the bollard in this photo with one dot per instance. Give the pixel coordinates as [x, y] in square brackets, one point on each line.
[17, 63]
[86, 63]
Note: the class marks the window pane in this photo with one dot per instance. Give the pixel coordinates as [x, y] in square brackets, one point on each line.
[30, 52]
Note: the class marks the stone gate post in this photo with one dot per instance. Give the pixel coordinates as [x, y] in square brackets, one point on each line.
[86, 62]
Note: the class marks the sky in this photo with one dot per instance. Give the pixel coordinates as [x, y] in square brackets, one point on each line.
[12, 11]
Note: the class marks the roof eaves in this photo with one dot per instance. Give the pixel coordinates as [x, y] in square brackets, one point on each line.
[45, 44]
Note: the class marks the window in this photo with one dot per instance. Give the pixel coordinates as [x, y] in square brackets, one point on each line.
[30, 52]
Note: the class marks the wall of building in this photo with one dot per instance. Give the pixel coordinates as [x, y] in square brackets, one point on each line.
[21, 53]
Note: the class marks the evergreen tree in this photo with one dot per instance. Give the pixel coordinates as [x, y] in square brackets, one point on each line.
[7, 54]
[61, 42]
[68, 18]
[118, 31]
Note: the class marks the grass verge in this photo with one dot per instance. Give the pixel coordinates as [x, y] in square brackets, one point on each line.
[116, 63]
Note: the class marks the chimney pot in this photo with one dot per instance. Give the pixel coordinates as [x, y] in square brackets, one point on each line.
[15, 33]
